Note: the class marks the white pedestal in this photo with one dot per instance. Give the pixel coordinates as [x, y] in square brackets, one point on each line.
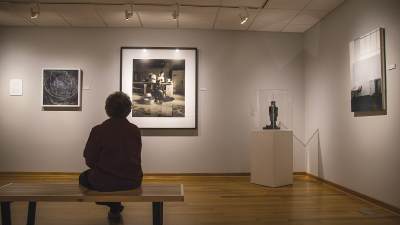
[272, 157]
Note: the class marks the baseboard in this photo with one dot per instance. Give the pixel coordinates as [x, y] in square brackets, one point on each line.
[51, 174]
[66, 174]
[197, 174]
[300, 173]
[38, 174]
[357, 195]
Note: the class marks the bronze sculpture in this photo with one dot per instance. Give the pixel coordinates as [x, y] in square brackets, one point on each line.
[273, 116]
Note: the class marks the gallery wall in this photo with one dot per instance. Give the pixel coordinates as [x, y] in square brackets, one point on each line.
[232, 67]
[360, 153]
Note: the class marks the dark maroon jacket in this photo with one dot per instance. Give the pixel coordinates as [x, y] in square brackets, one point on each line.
[113, 152]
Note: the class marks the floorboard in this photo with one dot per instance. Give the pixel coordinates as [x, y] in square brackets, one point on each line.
[217, 200]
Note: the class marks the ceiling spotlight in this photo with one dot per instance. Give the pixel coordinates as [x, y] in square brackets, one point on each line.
[175, 13]
[243, 19]
[244, 16]
[129, 13]
[35, 11]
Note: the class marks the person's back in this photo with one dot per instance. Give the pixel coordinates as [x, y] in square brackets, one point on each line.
[113, 153]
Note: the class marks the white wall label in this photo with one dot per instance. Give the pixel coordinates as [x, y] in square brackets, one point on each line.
[16, 87]
[392, 67]
[86, 87]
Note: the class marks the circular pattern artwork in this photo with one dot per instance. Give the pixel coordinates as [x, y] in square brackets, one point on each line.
[61, 87]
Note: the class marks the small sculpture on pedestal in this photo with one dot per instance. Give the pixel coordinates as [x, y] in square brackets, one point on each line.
[273, 116]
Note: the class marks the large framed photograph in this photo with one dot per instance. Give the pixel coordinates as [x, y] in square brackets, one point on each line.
[368, 73]
[61, 88]
[162, 84]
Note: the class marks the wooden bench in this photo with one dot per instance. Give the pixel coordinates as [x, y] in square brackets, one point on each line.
[57, 192]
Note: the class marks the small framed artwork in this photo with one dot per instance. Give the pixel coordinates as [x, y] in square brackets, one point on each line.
[368, 73]
[162, 84]
[61, 88]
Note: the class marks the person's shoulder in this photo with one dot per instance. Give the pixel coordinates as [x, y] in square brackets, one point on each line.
[100, 126]
[95, 130]
[132, 125]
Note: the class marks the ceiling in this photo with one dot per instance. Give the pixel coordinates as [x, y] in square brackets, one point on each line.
[264, 15]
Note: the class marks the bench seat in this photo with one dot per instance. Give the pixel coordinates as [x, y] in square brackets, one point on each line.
[70, 192]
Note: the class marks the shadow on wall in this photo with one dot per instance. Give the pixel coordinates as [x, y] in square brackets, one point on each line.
[169, 132]
[319, 162]
[312, 150]
[313, 155]
[61, 108]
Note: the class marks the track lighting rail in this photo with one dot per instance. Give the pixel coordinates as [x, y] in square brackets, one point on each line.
[121, 3]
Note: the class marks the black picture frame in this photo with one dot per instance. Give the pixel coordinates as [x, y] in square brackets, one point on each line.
[368, 74]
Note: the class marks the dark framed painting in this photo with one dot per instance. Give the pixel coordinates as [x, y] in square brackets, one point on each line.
[368, 73]
[162, 84]
[61, 87]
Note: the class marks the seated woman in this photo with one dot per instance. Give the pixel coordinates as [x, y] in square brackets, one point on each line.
[113, 153]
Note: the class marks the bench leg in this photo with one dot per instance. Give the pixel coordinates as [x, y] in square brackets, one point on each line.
[31, 213]
[5, 213]
[157, 213]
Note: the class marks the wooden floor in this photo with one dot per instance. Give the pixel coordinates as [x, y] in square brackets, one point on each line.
[217, 200]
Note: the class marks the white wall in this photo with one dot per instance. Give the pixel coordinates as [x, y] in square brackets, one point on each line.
[360, 153]
[232, 66]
